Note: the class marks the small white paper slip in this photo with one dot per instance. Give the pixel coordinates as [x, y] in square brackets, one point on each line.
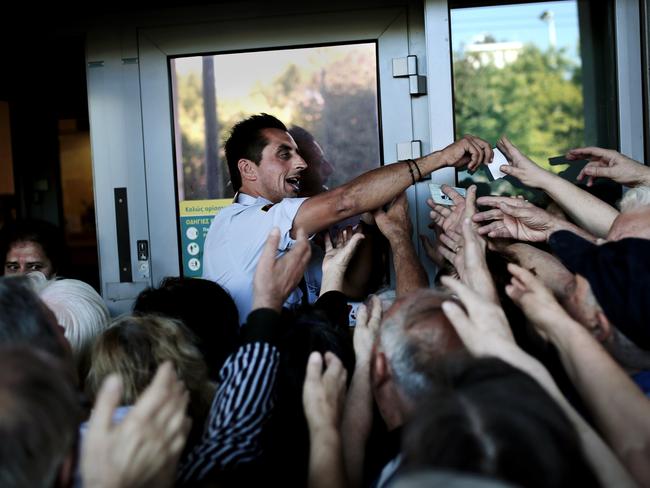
[498, 161]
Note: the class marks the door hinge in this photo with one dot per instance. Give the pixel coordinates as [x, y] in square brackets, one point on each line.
[408, 68]
[409, 150]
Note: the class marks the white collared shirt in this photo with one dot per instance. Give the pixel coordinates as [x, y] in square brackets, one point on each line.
[235, 241]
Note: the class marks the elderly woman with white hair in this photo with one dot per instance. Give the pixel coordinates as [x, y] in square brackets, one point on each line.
[79, 309]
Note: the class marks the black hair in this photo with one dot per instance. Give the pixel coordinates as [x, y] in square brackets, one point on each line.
[247, 141]
[186, 299]
[287, 451]
[25, 319]
[39, 417]
[48, 236]
[487, 417]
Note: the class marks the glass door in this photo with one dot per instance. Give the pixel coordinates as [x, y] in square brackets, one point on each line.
[334, 82]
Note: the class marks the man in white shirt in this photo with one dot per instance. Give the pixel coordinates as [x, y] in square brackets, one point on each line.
[265, 170]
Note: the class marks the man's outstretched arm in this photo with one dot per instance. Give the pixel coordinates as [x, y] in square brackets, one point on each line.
[380, 186]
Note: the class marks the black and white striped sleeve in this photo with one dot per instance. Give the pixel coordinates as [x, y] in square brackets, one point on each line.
[241, 406]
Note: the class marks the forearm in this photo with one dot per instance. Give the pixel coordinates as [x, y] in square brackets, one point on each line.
[545, 266]
[325, 460]
[357, 423]
[619, 407]
[561, 224]
[588, 211]
[409, 272]
[356, 276]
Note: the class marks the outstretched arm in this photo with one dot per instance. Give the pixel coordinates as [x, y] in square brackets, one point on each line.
[396, 225]
[585, 209]
[513, 218]
[357, 415]
[619, 407]
[380, 186]
[607, 163]
[485, 332]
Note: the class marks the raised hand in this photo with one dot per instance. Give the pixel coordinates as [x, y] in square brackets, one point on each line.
[469, 150]
[444, 216]
[142, 450]
[323, 392]
[368, 320]
[520, 166]
[337, 259]
[607, 163]
[395, 223]
[536, 300]
[483, 328]
[513, 218]
[275, 278]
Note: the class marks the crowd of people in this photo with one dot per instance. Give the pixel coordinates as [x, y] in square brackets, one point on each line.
[524, 362]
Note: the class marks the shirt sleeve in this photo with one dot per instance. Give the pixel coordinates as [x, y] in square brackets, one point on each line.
[282, 216]
[241, 406]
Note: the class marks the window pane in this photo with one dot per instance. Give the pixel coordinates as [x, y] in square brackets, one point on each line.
[535, 72]
[330, 91]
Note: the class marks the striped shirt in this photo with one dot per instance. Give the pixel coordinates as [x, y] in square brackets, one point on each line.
[241, 406]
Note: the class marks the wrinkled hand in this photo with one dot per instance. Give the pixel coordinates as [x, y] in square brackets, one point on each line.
[447, 217]
[323, 393]
[469, 150]
[337, 259]
[483, 327]
[520, 166]
[142, 450]
[536, 300]
[513, 218]
[365, 332]
[607, 163]
[275, 278]
[395, 223]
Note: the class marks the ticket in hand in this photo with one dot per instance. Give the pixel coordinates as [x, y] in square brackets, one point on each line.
[439, 196]
[498, 161]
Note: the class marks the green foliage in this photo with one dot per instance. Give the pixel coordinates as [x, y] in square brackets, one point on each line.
[337, 103]
[535, 100]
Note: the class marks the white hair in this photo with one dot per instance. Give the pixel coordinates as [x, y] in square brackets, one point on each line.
[635, 199]
[78, 308]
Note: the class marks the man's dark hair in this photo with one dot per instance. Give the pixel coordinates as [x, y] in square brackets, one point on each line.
[25, 319]
[40, 413]
[489, 418]
[216, 335]
[247, 141]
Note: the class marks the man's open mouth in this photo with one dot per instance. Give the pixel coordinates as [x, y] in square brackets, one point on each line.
[294, 181]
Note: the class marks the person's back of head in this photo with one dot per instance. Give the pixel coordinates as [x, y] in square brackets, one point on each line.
[414, 336]
[39, 417]
[247, 141]
[634, 219]
[134, 347]
[24, 319]
[287, 452]
[79, 309]
[489, 418]
[204, 307]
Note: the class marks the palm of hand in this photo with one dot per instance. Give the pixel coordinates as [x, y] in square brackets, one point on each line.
[453, 222]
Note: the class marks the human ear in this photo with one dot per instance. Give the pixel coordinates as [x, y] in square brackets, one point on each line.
[247, 169]
[604, 326]
[380, 372]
